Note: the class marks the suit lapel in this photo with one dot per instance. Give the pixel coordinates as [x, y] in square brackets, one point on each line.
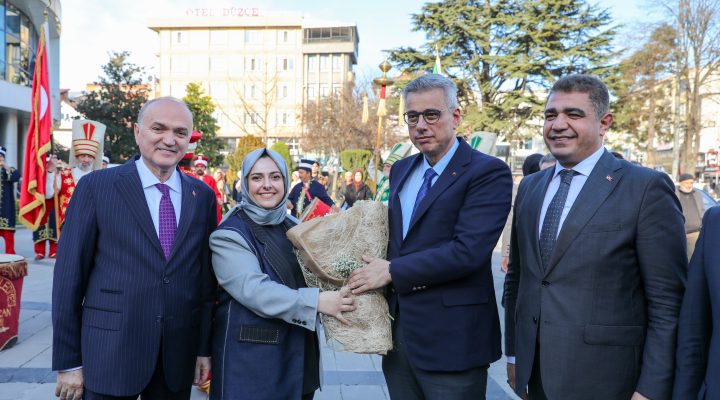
[187, 211]
[601, 182]
[534, 201]
[131, 190]
[455, 168]
[397, 213]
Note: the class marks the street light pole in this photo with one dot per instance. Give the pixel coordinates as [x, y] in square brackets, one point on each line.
[383, 82]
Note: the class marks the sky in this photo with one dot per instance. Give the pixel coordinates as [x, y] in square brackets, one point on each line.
[93, 28]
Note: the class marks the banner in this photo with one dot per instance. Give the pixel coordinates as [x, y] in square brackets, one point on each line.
[32, 194]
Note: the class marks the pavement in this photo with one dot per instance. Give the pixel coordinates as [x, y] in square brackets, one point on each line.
[25, 369]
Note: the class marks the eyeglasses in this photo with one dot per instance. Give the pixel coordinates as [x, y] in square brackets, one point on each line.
[430, 116]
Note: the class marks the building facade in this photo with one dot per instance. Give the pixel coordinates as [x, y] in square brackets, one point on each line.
[259, 69]
[20, 23]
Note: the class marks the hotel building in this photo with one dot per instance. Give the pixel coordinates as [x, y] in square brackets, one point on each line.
[259, 69]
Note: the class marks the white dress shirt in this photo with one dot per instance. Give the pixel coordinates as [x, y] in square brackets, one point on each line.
[412, 185]
[153, 195]
[583, 169]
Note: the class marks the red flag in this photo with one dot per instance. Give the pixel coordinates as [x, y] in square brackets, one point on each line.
[32, 194]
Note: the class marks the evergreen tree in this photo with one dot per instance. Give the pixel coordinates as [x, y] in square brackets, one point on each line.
[117, 104]
[202, 108]
[501, 53]
[643, 100]
[282, 149]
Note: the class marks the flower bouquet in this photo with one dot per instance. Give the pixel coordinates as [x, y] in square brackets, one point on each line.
[329, 248]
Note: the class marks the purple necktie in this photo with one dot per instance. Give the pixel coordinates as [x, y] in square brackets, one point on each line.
[427, 183]
[168, 225]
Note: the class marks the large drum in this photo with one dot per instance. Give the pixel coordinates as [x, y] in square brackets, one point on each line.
[13, 269]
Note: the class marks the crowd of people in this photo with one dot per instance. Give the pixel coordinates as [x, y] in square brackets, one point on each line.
[168, 275]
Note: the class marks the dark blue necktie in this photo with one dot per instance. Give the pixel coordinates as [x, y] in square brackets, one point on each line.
[549, 231]
[427, 183]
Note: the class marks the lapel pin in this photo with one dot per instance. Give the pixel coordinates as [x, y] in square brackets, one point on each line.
[454, 173]
[609, 178]
[193, 193]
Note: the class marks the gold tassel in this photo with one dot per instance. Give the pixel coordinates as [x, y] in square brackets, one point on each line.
[401, 110]
[365, 112]
[382, 110]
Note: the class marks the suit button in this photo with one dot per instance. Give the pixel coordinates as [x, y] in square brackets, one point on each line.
[534, 320]
[545, 283]
[166, 280]
[158, 319]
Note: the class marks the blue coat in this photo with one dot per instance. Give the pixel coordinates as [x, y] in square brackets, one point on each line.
[698, 351]
[316, 189]
[258, 357]
[115, 296]
[441, 272]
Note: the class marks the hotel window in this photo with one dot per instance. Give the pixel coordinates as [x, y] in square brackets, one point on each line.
[253, 36]
[282, 91]
[287, 64]
[218, 64]
[337, 62]
[324, 90]
[285, 36]
[324, 62]
[178, 36]
[218, 37]
[336, 89]
[312, 63]
[311, 92]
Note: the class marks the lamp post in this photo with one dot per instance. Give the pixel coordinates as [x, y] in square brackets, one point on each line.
[383, 82]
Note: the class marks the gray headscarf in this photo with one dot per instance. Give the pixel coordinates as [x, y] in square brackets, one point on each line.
[259, 214]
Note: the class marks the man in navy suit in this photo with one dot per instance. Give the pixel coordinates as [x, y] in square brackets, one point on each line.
[133, 287]
[447, 208]
[698, 358]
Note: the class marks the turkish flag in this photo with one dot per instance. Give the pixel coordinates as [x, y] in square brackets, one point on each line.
[32, 194]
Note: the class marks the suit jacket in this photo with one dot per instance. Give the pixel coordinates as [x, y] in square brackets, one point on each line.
[116, 299]
[442, 282]
[605, 311]
[698, 352]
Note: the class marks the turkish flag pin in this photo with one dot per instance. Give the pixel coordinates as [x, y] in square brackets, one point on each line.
[609, 178]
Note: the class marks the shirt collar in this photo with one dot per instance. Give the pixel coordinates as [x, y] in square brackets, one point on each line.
[585, 166]
[147, 178]
[439, 166]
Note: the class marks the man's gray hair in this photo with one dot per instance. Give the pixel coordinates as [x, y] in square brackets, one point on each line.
[164, 98]
[429, 82]
[589, 84]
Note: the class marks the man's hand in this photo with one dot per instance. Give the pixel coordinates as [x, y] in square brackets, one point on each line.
[202, 370]
[70, 385]
[374, 275]
[638, 396]
[511, 379]
[504, 263]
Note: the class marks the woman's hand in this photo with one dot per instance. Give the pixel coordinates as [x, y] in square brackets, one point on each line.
[336, 302]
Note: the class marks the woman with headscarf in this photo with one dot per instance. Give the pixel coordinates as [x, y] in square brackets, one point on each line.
[264, 344]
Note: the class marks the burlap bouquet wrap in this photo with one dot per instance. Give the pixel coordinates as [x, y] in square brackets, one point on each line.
[329, 248]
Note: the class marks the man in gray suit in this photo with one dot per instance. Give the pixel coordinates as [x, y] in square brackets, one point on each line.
[597, 264]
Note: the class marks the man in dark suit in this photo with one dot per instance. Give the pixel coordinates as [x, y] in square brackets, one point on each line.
[133, 287]
[308, 188]
[597, 264]
[698, 358]
[447, 208]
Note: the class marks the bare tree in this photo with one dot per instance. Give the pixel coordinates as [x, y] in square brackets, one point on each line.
[698, 63]
[257, 99]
